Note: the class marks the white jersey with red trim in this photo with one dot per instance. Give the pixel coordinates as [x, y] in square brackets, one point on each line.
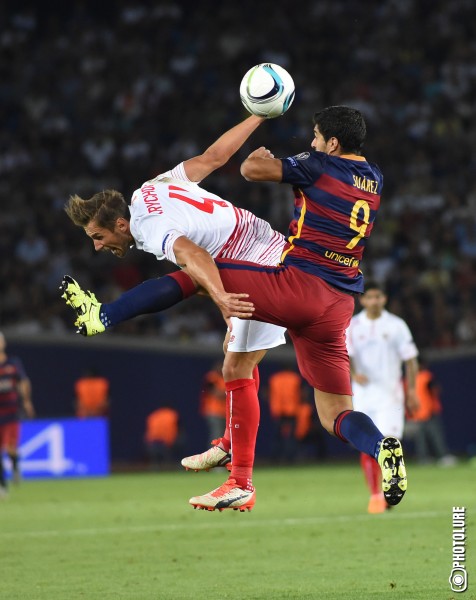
[170, 206]
[378, 348]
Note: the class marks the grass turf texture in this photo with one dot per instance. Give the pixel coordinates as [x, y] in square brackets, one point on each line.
[309, 536]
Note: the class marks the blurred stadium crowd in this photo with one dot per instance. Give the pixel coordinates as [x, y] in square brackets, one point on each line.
[94, 98]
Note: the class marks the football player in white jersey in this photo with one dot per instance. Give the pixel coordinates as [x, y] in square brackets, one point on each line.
[170, 216]
[379, 345]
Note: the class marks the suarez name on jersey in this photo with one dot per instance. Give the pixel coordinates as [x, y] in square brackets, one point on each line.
[336, 201]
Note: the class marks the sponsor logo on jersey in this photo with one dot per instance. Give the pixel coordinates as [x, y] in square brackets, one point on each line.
[348, 261]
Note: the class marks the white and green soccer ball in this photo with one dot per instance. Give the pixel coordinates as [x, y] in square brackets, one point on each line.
[267, 90]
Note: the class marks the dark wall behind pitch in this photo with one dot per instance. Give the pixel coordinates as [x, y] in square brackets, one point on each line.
[142, 380]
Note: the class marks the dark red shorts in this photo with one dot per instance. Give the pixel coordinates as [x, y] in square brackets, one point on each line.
[315, 314]
[9, 435]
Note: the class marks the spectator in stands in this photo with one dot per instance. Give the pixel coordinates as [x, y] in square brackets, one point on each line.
[162, 436]
[213, 401]
[84, 113]
[428, 432]
[285, 398]
[92, 395]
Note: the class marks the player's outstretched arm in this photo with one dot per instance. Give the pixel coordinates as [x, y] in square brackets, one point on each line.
[202, 268]
[220, 152]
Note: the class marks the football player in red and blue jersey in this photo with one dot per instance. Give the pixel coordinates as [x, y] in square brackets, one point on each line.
[15, 397]
[311, 293]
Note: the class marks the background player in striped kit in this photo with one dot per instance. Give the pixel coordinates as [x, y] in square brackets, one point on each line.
[172, 217]
[379, 344]
[15, 398]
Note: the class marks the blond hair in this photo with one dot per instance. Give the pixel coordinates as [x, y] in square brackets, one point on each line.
[104, 208]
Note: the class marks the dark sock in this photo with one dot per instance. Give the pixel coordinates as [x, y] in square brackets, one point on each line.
[14, 459]
[3, 481]
[358, 429]
[153, 295]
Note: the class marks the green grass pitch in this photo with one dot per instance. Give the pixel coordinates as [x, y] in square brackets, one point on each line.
[134, 537]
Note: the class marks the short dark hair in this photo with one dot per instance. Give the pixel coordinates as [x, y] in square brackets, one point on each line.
[374, 285]
[344, 123]
[104, 208]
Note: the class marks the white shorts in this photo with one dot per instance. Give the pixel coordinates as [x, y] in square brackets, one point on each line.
[248, 336]
[386, 409]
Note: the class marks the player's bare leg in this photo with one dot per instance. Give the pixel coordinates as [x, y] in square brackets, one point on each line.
[15, 460]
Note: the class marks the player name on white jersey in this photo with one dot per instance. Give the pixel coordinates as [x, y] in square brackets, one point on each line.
[170, 206]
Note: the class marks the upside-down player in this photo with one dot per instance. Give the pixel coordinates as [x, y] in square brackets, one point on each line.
[173, 218]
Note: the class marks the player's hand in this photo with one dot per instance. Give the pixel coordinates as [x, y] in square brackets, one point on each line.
[233, 305]
[261, 152]
[411, 402]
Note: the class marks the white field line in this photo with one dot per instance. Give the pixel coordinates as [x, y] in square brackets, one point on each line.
[247, 521]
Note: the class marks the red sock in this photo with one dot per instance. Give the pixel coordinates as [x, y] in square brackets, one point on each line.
[226, 440]
[372, 472]
[256, 377]
[244, 422]
[377, 476]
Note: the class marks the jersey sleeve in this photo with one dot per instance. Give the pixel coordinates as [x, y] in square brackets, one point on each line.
[158, 237]
[178, 172]
[406, 346]
[303, 169]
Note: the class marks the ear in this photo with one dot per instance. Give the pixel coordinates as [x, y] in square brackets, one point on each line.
[333, 145]
[122, 224]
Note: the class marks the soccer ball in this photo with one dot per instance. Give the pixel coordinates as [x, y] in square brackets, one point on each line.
[267, 90]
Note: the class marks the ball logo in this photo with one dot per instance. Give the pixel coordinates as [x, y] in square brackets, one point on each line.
[302, 156]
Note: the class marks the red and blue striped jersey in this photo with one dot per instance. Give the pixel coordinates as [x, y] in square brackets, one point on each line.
[336, 201]
[11, 373]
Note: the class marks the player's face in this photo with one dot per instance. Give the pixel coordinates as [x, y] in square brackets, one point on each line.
[117, 241]
[374, 302]
[318, 142]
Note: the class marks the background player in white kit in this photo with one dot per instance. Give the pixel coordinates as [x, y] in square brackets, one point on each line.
[170, 216]
[379, 344]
